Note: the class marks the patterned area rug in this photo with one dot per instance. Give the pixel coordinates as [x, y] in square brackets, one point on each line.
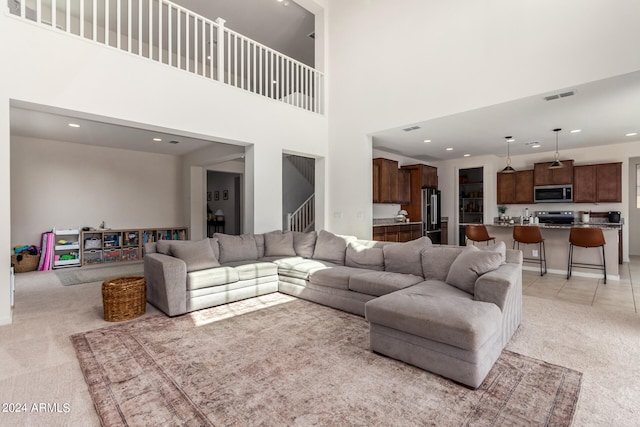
[276, 360]
[77, 275]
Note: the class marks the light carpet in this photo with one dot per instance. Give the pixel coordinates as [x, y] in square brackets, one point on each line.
[78, 275]
[277, 360]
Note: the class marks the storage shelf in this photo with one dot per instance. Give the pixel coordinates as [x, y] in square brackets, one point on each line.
[67, 262]
[67, 247]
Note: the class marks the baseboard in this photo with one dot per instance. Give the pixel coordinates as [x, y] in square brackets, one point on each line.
[573, 273]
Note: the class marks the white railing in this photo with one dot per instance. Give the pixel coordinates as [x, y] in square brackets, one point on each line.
[304, 217]
[165, 32]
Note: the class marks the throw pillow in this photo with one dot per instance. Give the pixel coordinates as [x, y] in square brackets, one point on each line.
[405, 257]
[471, 264]
[437, 260]
[260, 244]
[237, 248]
[330, 247]
[198, 255]
[304, 243]
[499, 247]
[278, 243]
[363, 256]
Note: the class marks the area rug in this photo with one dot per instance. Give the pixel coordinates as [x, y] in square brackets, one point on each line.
[276, 360]
[77, 275]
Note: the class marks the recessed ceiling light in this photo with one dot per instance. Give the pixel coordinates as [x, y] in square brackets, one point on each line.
[157, 139]
[536, 146]
[449, 149]
[576, 131]
[74, 125]
[467, 155]
[632, 134]
[427, 141]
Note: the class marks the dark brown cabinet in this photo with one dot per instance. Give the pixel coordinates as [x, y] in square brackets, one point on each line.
[385, 182]
[513, 188]
[444, 238]
[404, 186]
[542, 175]
[597, 183]
[397, 233]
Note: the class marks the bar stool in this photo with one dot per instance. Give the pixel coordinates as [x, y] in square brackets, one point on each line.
[587, 238]
[477, 233]
[530, 234]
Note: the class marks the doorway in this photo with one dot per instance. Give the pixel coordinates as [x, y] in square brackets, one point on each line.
[471, 199]
[634, 206]
[298, 193]
[224, 207]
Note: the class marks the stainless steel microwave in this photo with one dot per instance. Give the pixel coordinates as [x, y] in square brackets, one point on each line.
[553, 193]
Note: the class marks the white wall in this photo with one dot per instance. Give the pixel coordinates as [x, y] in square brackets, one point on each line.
[390, 66]
[50, 68]
[66, 185]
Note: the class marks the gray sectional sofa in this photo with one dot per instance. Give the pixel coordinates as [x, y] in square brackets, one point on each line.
[447, 309]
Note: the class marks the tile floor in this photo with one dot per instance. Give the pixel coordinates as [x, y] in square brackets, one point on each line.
[617, 295]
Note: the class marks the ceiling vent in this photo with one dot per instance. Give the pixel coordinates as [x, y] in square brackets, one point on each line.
[174, 142]
[559, 95]
[411, 128]
[531, 143]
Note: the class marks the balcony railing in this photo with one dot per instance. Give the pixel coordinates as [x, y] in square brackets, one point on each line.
[165, 32]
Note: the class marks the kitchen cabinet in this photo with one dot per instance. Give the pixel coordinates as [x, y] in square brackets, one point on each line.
[385, 183]
[444, 237]
[599, 183]
[542, 175]
[514, 188]
[404, 186]
[397, 233]
[420, 176]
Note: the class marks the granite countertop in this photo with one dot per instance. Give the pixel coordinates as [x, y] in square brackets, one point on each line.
[386, 223]
[603, 225]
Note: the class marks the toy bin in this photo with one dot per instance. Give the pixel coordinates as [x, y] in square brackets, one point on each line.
[92, 257]
[130, 254]
[112, 255]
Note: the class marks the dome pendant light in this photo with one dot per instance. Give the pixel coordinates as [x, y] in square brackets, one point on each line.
[557, 164]
[508, 168]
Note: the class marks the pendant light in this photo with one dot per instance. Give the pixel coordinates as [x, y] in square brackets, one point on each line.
[557, 164]
[508, 168]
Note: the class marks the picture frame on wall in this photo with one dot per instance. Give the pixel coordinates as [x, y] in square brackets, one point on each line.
[225, 195]
[216, 195]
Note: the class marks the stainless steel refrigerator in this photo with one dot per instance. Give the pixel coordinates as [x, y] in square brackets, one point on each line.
[431, 224]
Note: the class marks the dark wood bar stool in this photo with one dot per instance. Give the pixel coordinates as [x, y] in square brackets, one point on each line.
[587, 238]
[528, 235]
[477, 233]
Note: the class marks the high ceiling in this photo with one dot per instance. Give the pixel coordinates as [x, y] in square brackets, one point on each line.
[604, 111]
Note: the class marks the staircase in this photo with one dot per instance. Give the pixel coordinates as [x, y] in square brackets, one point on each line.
[303, 218]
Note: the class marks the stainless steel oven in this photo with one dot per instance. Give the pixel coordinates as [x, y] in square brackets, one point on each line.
[553, 193]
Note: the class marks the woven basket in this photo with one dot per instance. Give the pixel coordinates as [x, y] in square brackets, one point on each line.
[24, 262]
[124, 298]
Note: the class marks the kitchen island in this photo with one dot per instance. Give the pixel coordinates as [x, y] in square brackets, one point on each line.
[556, 238]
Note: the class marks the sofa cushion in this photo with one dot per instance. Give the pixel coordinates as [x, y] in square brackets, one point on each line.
[163, 247]
[471, 264]
[330, 247]
[211, 277]
[304, 243]
[458, 322]
[436, 261]
[278, 243]
[215, 246]
[405, 257]
[336, 277]
[499, 247]
[379, 283]
[237, 248]
[362, 255]
[254, 270]
[259, 244]
[301, 268]
[198, 255]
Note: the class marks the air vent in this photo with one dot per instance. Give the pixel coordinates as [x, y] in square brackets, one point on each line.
[559, 95]
[174, 142]
[411, 128]
[531, 143]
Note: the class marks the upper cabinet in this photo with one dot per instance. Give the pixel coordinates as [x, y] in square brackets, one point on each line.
[513, 188]
[385, 182]
[404, 186]
[420, 176]
[542, 175]
[598, 183]
[401, 186]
